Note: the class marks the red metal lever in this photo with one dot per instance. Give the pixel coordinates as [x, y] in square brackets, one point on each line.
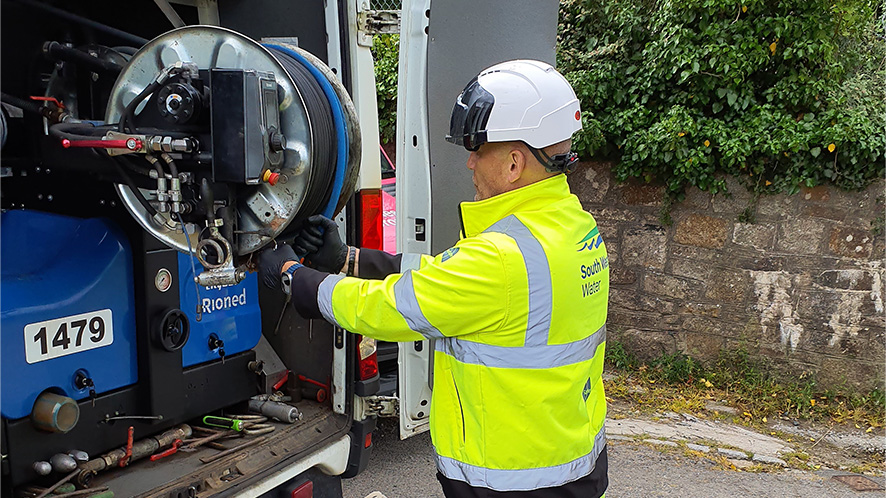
[175, 446]
[50, 99]
[129, 143]
[311, 381]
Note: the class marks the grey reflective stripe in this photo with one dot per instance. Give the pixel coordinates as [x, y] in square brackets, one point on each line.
[536, 353]
[531, 357]
[410, 261]
[523, 479]
[538, 273]
[407, 305]
[324, 297]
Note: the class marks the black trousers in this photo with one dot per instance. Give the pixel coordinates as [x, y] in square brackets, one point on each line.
[592, 485]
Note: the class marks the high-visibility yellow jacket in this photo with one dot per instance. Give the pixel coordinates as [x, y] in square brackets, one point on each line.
[518, 310]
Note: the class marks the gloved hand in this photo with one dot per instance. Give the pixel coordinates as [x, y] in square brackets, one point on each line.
[323, 248]
[270, 262]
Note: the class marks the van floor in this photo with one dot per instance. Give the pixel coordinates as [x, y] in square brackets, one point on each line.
[172, 475]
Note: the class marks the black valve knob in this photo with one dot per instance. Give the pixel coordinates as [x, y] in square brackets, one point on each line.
[173, 330]
[276, 141]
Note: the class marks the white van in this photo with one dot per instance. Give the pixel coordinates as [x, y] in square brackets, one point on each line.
[149, 150]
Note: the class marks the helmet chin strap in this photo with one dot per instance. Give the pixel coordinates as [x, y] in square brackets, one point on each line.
[558, 163]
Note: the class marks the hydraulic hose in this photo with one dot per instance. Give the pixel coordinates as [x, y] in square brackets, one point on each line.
[25, 105]
[76, 131]
[131, 184]
[56, 50]
[104, 28]
[153, 161]
[322, 103]
[128, 115]
[130, 51]
[130, 163]
[173, 170]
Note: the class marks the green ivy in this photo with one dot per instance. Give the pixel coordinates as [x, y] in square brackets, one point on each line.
[782, 93]
[386, 53]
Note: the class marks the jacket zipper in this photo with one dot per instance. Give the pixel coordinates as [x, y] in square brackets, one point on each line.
[461, 222]
[460, 409]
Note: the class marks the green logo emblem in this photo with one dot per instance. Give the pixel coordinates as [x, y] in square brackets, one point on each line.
[591, 241]
[587, 390]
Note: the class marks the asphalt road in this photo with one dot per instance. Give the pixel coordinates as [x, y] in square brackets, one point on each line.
[405, 469]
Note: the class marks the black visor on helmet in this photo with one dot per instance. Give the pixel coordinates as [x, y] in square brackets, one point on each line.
[467, 126]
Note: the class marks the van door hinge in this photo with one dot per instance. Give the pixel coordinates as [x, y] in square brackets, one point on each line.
[374, 22]
[382, 406]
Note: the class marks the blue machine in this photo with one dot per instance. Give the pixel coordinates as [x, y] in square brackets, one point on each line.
[67, 308]
[230, 314]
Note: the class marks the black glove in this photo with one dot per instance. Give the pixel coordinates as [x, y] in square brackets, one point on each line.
[270, 262]
[323, 248]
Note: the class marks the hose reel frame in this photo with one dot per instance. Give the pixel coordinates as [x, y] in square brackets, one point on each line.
[211, 46]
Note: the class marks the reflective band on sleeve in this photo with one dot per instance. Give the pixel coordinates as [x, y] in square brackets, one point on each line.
[539, 275]
[407, 305]
[324, 297]
[523, 479]
[409, 261]
[529, 357]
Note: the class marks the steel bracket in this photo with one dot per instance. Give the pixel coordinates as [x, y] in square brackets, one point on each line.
[382, 406]
[374, 22]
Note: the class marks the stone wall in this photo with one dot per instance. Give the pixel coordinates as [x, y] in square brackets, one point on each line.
[801, 287]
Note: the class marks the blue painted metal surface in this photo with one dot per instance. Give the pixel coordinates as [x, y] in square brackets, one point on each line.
[57, 266]
[230, 313]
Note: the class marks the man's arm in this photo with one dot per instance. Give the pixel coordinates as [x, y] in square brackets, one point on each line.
[325, 251]
[447, 296]
[376, 265]
[444, 296]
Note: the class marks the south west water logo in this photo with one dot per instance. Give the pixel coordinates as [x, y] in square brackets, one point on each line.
[591, 241]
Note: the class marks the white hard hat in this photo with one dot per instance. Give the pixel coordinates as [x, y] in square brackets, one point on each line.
[520, 100]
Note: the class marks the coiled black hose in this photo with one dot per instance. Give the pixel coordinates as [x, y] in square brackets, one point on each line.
[323, 137]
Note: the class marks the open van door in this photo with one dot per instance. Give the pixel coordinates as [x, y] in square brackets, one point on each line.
[443, 45]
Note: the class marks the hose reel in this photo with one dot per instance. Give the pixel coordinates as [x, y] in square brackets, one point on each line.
[253, 139]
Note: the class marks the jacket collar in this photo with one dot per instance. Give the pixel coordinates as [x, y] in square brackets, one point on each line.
[477, 216]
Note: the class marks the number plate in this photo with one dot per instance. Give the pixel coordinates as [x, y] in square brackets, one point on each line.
[68, 335]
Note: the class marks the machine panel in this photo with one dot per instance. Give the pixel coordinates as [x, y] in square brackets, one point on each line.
[230, 314]
[67, 308]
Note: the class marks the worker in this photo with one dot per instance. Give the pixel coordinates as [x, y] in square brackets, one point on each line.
[517, 307]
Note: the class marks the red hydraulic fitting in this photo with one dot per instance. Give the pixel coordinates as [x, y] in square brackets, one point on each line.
[129, 143]
[271, 178]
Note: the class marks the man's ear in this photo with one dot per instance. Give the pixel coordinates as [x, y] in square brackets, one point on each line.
[517, 165]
